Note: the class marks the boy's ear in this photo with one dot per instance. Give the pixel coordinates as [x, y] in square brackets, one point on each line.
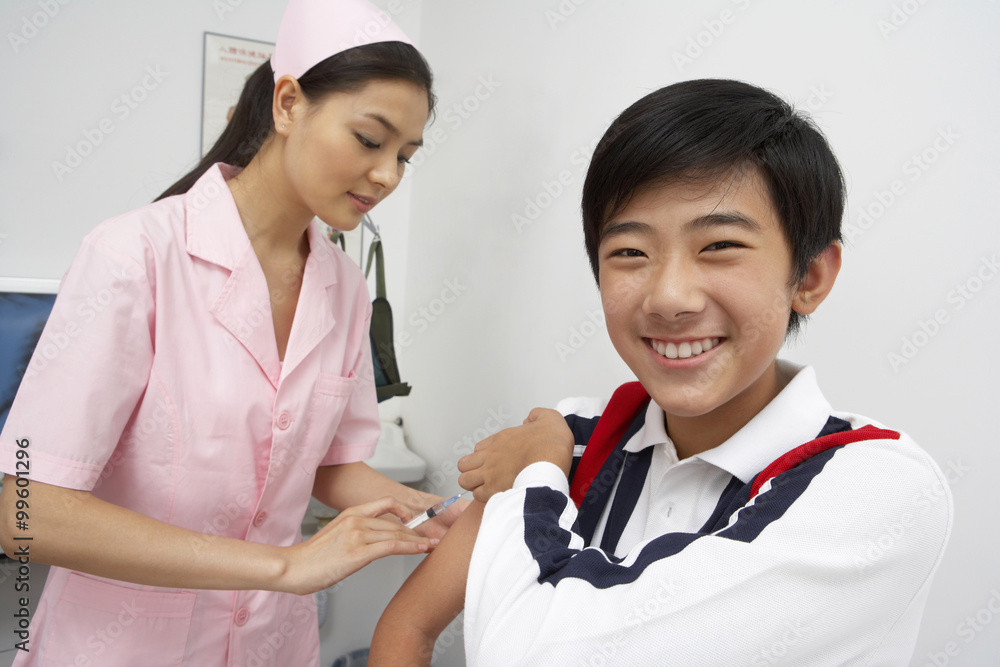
[818, 281]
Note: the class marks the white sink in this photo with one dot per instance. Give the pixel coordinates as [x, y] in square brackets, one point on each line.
[393, 459]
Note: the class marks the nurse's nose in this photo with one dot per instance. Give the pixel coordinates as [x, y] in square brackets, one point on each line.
[386, 173]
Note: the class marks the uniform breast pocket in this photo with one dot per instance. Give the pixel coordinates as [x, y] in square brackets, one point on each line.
[101, 623]
[326, 408]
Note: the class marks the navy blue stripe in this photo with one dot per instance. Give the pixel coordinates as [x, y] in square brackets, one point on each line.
[737, 494]
[629, 489]
[549, 543]
[599, 493]
[582, 429]
[734, 496]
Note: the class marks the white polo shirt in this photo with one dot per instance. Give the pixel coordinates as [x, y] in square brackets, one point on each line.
[829, 566]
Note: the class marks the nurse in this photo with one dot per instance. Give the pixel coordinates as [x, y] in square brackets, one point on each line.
[218, 373]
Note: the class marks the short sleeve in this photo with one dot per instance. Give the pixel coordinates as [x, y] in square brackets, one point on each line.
[88, 371]
[359, 428]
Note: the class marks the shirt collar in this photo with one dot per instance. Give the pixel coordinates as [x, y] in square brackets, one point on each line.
[215, 231]
[653, 432]
[794, 417]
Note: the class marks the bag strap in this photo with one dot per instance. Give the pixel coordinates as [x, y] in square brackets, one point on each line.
[622, 409]
[614, 421]
[375, 252]
[789, 460]
[337, 236]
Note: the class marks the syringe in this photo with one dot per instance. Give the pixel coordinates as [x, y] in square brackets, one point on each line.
[433, 511]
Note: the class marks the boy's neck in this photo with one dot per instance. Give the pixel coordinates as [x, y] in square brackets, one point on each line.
[694, 435]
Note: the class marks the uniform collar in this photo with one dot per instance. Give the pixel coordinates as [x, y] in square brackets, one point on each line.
[794, 417]
[214, 232]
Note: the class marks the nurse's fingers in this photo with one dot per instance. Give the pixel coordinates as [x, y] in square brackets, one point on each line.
[374, 508]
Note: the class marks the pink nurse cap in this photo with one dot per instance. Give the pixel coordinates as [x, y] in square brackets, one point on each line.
[313, 30]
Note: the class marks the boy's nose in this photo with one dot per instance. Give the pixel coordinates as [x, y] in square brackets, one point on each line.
[674, 291]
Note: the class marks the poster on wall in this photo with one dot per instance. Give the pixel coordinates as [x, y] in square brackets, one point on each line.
[229, 62]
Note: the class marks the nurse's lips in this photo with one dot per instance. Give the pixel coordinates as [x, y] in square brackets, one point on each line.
[363, 203]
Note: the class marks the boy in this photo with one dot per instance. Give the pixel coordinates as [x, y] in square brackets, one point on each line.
[727, 515]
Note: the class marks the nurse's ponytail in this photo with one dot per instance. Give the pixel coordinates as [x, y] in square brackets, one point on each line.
[252, 123]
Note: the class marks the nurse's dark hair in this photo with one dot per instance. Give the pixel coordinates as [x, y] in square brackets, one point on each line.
[347, 71]
[698, 131]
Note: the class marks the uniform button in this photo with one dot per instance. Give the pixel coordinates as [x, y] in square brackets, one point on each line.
[259, 520]
[284, 421]
[242, 616]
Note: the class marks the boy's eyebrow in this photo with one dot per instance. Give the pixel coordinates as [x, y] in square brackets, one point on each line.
[626, 227]
[701, 222]
[724, 218]
[389, 126]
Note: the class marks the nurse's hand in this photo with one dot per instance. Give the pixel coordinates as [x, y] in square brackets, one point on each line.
[497, 460]
[356, 537]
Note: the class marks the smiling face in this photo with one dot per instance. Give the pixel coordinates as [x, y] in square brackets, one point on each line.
[694, 280]
[348, 151]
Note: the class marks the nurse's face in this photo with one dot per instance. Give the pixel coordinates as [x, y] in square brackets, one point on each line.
[347, 152]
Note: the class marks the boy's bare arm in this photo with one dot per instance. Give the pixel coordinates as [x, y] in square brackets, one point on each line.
[429, 599]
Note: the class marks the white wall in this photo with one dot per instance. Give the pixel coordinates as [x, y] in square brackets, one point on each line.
[482, 306]
[881, 99]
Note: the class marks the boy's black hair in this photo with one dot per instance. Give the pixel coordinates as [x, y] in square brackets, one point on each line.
[702, 129]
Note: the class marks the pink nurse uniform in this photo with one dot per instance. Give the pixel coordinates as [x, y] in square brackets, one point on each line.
[156, 385]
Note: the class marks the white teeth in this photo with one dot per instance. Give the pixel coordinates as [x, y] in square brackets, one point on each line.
[685, 350]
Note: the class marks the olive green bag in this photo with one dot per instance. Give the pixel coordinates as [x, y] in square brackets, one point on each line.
[387, 382]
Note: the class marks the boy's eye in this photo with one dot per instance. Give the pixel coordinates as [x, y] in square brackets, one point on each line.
[403, 159]
[722, 245]
[366, 142]
[626, 252]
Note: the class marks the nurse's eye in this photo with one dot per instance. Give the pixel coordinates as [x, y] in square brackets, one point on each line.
[366, 142]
